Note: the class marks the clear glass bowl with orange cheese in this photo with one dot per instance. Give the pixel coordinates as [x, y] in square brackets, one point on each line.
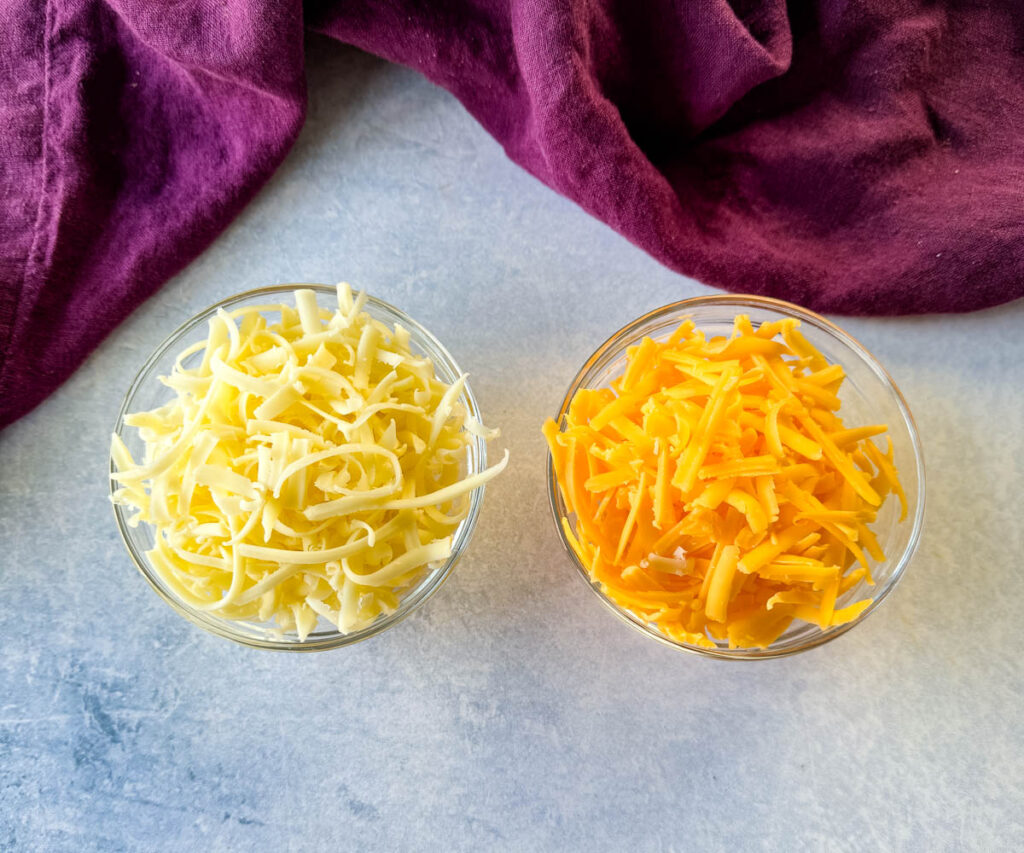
[736, 476]
[298, 467]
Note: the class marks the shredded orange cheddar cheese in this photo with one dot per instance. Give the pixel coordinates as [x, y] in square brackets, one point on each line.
[717, 494]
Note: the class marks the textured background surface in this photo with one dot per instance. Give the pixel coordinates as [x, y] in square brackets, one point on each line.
[512, 711]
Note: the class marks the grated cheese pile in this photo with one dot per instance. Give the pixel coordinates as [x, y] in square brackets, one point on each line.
[308, 467]
[717, 493]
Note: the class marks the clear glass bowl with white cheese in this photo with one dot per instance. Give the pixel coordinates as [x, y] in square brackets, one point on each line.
[148, 392]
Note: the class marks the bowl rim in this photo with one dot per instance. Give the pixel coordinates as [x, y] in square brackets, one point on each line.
[626, 336]
[417, 595]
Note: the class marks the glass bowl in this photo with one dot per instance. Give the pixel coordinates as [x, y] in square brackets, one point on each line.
[146, 392]
[869, 396]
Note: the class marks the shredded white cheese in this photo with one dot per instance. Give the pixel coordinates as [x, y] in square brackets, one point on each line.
[309, 468]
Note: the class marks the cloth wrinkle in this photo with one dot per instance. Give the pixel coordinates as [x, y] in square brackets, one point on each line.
[854, 156]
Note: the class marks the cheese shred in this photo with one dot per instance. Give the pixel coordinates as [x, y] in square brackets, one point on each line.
[717, 494]
[309, 468]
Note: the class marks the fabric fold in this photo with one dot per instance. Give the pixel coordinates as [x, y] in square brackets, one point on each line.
[855, 156]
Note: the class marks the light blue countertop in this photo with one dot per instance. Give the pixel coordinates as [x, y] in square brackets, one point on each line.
[512, 711]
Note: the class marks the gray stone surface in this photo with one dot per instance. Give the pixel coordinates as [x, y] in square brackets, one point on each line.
[512, 712]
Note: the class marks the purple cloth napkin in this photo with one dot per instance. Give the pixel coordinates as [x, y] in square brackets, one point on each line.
[857, 156]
